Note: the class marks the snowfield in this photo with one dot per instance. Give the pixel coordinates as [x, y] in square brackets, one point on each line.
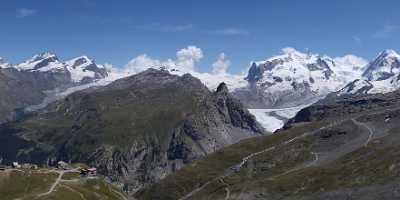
[274, 119]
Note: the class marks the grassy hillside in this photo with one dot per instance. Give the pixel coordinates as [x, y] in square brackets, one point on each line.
[33, 184]
[351, 155]
[135, 130]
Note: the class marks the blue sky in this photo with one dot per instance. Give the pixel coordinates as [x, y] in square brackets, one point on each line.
[244, 30]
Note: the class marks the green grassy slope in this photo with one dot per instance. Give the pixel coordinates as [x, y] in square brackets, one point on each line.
[352, 155]
[30, 184]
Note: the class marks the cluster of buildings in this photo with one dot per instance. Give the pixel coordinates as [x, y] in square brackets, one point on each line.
[84, 171]
[16, 165]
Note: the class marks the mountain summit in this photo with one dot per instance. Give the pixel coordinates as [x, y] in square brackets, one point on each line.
[295, 78]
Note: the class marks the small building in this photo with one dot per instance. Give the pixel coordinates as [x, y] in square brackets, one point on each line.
[29, 166]
[62, 165]
[90, 172]
[16, 165]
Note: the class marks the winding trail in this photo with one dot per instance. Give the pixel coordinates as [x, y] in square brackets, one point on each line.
[371, 133]
[238, 166]
[227, 190]
[228, 172]
[75, 191]
[312, 163]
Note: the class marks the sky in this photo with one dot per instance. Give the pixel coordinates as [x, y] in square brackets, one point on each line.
[117, 31]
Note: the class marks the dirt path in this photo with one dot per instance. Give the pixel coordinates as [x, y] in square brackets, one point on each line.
[75, 191]
[227, 190]
[56, 182]
[237, 167]
[371, 133]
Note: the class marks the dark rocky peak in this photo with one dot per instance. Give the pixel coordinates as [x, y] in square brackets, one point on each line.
[254, 74]
[222, 89]
[156, 78]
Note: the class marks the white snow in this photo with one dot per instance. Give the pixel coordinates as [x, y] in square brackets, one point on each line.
[294, 66]
[77, 68]
[269, 122]
[58, 94]
[32, 64]
[3, 63]
[383, 64]
[274, 119]
[375, 74]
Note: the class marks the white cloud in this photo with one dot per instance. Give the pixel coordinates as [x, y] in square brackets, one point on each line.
[166, 27]
[25, 12]
[386, 31]
[185, 61]
[141, 63]
[221, 65]
[187, 57]
[177, 28]
[230, 31]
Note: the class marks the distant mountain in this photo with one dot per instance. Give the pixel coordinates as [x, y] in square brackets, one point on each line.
[30, 82]
[381, 75]
[295, 78]
[136, 130]
[291, 80]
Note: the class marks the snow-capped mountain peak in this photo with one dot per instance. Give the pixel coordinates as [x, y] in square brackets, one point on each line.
[83, 67]
[3, 63]
[42, 62]
[295, 54]
[386, 65]
[295, 78]
[390, 53]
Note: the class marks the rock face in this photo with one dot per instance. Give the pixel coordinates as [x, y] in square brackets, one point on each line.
[136, 130]
[28, 83]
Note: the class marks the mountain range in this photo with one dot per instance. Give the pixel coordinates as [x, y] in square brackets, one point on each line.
[275, 88]
[167, 133]
[44, 75]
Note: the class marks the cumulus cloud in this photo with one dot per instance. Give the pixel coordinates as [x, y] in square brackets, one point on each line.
[187, 57]
[185, 61]
[221, 65]
[25, 12]
[141, 63]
